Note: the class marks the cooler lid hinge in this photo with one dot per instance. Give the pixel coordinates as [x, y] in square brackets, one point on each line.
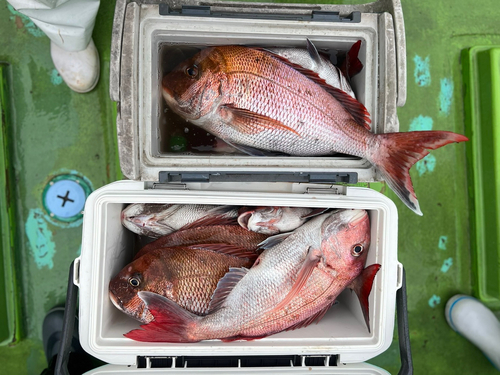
[238, 361]
[206, 11]
[300, 177]
[334, 189]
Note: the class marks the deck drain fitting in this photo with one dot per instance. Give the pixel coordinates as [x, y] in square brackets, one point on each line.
[64, 197]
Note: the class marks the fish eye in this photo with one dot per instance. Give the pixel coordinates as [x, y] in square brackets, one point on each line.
[357, 250]
[134, 281]
[192, 71]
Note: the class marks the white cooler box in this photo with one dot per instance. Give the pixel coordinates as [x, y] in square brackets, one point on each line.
[142, 35]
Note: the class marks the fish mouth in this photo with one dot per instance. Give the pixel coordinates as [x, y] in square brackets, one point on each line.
[244, 218]
[116, 301]
[354, 217]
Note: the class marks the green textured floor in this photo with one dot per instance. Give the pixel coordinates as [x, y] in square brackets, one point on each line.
[53, 130]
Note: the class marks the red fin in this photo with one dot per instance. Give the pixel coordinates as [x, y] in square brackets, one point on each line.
[313, 318]
[356, 109]
[215, 216]
[250, 122]
[225, 286]
[312, 259]
[315, 212]
[233, 250]
[352, 65]
[170, 322]
[362, 285]
[395, 154]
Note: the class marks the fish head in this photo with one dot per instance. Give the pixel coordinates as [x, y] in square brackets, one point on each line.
[346, 239]
[136, 277]
[146, 219]
[262, 219]
[194, 88]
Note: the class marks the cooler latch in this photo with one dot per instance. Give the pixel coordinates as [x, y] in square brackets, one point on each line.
[298, 177]
[238, 362]
[246, 12]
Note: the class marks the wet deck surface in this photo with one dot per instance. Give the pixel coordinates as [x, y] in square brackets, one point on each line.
[54, 130]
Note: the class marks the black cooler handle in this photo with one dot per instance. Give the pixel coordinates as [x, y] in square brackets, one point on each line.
[68, 326]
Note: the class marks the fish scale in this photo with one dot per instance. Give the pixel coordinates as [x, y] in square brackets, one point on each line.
[186, 275]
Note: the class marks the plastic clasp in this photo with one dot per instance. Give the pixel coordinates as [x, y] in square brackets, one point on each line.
[76, 272]
[400, 276]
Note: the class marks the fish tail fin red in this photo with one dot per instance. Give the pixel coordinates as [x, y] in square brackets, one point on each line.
[362, 286]
[395, 153]
[171, 322]
[352, 65]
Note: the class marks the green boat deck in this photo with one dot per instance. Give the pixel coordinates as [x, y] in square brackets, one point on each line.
[49, 130]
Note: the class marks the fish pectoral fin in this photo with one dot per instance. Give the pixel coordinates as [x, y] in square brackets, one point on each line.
[312, 259]
[313, 318]
[362, 286]
[228, 249]
[219, 219]
[315, 212]
[249, 122]
[225, 286]
[273, 240]
[170, 322]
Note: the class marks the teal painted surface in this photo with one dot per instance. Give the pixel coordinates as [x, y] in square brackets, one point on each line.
[446, 96]
[422, 71]
[53, 131]
[40, 239]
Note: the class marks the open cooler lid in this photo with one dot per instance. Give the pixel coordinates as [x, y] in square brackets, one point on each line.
[144, 31]
[343, 369]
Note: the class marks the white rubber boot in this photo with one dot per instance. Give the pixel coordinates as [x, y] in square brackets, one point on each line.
[469, 317]
[80, 70]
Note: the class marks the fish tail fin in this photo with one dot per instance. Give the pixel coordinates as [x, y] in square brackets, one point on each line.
[397, 152]
[352, 65]
[362, 286]
[171, 322]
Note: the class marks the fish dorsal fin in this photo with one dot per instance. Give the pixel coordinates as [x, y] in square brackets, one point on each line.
[315, 212]
[233, 250]
[219, 218]
[312, 259]
[313, 52]
[313, 318]
[362, 286]
[249, 122]
[210, 221]
[225, 286]
[273, 240]
[355, 108]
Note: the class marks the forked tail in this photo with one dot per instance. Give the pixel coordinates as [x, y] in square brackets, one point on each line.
[395, 153]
